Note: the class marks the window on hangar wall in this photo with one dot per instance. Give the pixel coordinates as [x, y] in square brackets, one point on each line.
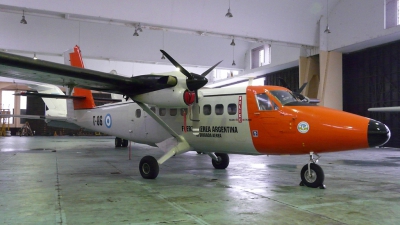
[256, 82]
[224, 74]
[392, 18]
[260, 56]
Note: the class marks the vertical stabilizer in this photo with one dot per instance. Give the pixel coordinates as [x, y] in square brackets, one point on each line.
[74, 58]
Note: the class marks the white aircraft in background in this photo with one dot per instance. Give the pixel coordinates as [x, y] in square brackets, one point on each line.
[170, 111]
[385, 109]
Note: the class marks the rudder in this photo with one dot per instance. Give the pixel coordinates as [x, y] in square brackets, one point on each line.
[74, 58]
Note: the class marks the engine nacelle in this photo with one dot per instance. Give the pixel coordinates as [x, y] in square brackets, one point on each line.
[169, 98]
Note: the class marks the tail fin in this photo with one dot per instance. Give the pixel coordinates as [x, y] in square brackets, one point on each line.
[74, 58]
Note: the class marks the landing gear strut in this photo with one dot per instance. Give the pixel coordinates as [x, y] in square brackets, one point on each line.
[312, 175]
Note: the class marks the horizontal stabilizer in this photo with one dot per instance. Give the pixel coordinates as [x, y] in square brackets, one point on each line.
[64, 96]
[49, 95]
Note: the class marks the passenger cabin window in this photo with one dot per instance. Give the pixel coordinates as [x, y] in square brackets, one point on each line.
[219, 109]
[207, 110]
[138, 113]
[173, 112]
[264, 103]
[232, 109]
[162, 111]
[153, 109]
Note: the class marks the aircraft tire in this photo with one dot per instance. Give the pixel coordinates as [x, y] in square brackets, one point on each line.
[118, 142]
[223, 164]
[317, 176]
[148, 167]
[124, 143]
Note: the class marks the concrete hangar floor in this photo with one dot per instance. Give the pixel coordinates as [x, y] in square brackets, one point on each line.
[85, 180]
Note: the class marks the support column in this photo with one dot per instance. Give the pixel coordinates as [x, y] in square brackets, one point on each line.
[17, 111]
[309, 72]
[330, 91]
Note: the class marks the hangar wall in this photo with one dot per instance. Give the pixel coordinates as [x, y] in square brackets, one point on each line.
[366, 25]
[371, 78]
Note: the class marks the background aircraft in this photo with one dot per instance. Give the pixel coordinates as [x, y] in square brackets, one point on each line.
[172, 112]
[385, 109]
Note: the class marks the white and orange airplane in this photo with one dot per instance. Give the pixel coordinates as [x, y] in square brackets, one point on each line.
[171, 111]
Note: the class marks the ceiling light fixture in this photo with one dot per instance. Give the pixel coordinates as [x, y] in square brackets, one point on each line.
[327, 30]
[229, 14]
[163, 56]
[139, 28]
[233, 56]
[136, 33]
[23, 20]
[34, 56]
[233, 41]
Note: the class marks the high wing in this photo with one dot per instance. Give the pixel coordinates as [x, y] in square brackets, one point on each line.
[25, 68]
[385, 109]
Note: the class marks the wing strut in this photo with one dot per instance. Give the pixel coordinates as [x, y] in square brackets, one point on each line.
[173, 147]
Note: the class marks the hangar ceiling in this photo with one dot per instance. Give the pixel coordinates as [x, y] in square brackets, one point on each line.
[258, 20]
[195, 32]
[192, 22]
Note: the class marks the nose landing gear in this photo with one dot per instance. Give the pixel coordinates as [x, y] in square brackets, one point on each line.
[311, 174]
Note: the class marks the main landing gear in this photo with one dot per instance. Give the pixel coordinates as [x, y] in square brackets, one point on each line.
[312, 175]
[149, 166]
[119, 142]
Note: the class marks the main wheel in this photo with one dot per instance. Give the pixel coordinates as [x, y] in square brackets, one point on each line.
[223, 161]
[148, 167]
[118, 142]
[124, 143]
[313, 179]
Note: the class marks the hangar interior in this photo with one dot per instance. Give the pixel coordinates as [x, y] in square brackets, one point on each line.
[347, 51]
[279, 35]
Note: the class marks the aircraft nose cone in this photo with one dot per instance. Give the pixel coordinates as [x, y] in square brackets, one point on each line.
[378, 133]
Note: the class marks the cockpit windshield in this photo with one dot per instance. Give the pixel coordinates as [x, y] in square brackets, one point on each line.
[284, 97]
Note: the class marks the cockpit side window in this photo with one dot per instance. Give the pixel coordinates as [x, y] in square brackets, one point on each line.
[264, 103]
[284, 97]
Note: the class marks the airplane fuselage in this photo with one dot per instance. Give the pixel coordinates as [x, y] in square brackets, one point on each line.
[233, 120]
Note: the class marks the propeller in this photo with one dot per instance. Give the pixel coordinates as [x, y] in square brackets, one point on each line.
[295, 93]
[194, 81]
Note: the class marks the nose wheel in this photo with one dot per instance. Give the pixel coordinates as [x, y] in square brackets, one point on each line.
[312, 174]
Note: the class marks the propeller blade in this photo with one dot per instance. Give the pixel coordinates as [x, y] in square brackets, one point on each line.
[302, 88]
[176, 64]
[283, 82]
[205, 73]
